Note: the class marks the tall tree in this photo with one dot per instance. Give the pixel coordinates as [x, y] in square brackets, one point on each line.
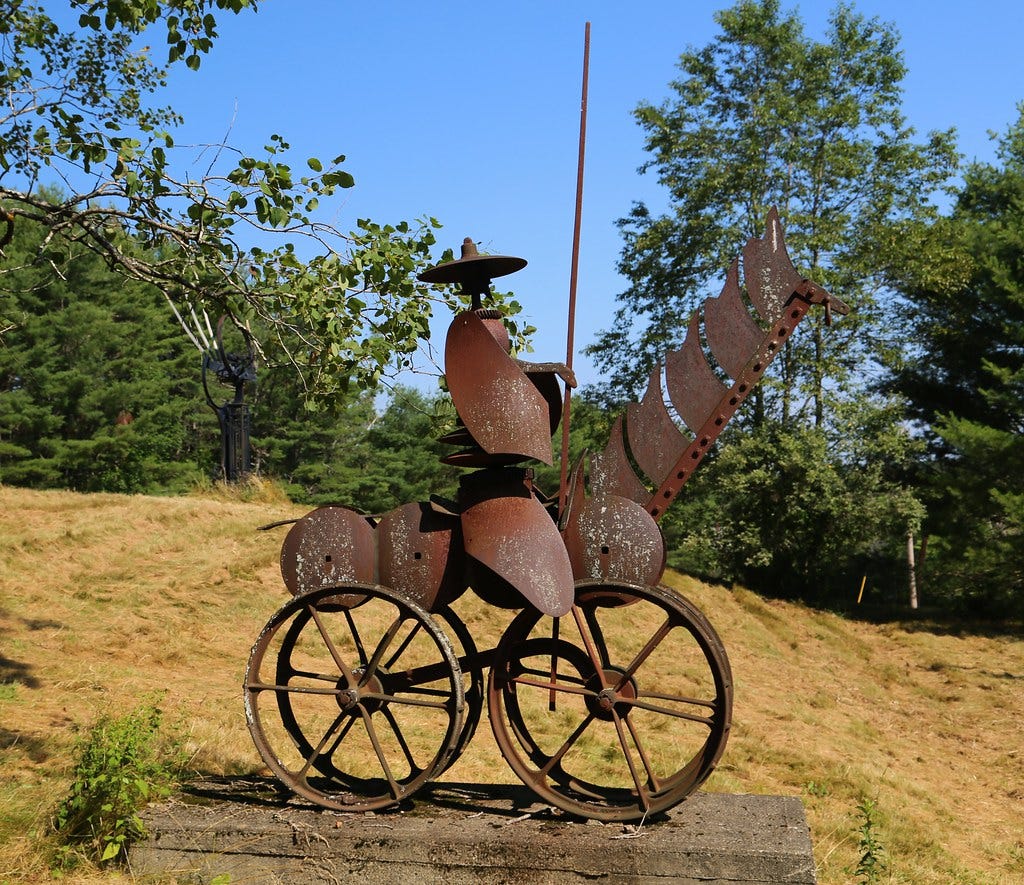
[762, 116]
[965, 381]
[354, 451]
[765, 115]
[99, 390]
[78, 108]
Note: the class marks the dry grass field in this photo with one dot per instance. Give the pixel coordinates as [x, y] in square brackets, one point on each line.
[107, 601]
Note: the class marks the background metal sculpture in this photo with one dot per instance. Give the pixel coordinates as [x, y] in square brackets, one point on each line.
[366, 685]
[235, 370]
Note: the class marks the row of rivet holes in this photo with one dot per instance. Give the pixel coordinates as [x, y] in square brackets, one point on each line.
[782, 332]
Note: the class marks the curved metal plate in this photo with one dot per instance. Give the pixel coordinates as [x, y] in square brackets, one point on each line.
[611, 472]
[516, 538]
[654, 440]
[692, 385]
[767, 271]
[502, 409]
[615, 539]
[419, 553]
[732, 334]
[330, 545]
[547, 384]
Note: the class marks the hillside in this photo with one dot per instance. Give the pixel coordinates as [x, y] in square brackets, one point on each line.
[108, 600]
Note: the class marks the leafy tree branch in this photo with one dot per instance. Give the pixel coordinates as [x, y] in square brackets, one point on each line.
[87, 151]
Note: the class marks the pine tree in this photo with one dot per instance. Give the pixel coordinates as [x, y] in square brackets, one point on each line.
[965, 382]
[99, 389]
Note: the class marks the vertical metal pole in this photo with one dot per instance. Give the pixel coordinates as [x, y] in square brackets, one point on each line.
[563, 485]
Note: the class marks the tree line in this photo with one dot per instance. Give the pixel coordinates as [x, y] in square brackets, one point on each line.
[901, 421]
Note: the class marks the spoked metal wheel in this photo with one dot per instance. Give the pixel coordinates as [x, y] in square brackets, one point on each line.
[472, 682]
[619, 709]
[354, 697]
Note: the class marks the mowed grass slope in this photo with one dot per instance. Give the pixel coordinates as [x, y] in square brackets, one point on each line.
[108, 601]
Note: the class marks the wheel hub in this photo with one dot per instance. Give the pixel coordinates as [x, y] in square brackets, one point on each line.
[352, 699]
[607, 701]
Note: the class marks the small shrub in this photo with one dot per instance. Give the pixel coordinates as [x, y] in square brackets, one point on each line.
[816, 788]
[123, 763]
[872, 854]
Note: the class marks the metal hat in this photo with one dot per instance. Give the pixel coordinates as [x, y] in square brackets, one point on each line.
[472, 269]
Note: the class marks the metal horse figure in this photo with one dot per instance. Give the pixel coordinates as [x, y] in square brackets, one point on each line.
[609, 695]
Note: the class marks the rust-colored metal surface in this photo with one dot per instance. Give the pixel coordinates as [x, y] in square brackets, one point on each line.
[740, 346]
[355, 695]
[769, 274]
[501, 408]
[611, 472]
[693, 386]
[654, 440]
[610, 538]
[419, 554]
[509, 531]
[472, 271]
[619, 686]
[731, 331]
[331, 545]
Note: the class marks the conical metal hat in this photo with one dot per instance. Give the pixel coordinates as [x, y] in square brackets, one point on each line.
[472, 267]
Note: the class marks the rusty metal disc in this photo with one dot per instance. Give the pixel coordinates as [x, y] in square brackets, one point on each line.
[329, 545]
[610, 538]
[419, 554]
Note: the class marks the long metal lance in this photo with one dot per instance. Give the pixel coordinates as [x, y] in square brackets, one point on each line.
[563, 485]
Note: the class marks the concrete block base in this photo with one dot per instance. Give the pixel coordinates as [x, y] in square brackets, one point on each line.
[468, 833]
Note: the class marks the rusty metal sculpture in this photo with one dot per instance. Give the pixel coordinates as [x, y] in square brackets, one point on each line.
[366, 685]
[235, 370]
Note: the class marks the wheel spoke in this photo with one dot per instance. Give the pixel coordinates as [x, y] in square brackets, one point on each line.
[639, 704]
[400, 738]
[309, 674]
[588, 643]
[354, 738]
[554, 686]
[644, 653]
[404, 701]
[568, 745]
[382, 646]
[343, 667]
[608, 754]
[379, 750]
[641, 789]
[292, 689]
[345, 729]
[356, 638]
[301, 773]
[595, 630]
[652, 778]
[403, 646]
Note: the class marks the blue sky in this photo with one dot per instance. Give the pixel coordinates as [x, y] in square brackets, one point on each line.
[470, 113]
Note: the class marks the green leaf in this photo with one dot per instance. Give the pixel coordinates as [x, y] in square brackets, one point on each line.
[315, 164]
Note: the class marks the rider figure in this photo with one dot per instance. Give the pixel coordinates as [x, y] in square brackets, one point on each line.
[508, 411]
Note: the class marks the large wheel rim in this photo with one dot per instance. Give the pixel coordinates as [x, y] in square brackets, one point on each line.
[354, 706]
[642, 701]
[473, 680]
